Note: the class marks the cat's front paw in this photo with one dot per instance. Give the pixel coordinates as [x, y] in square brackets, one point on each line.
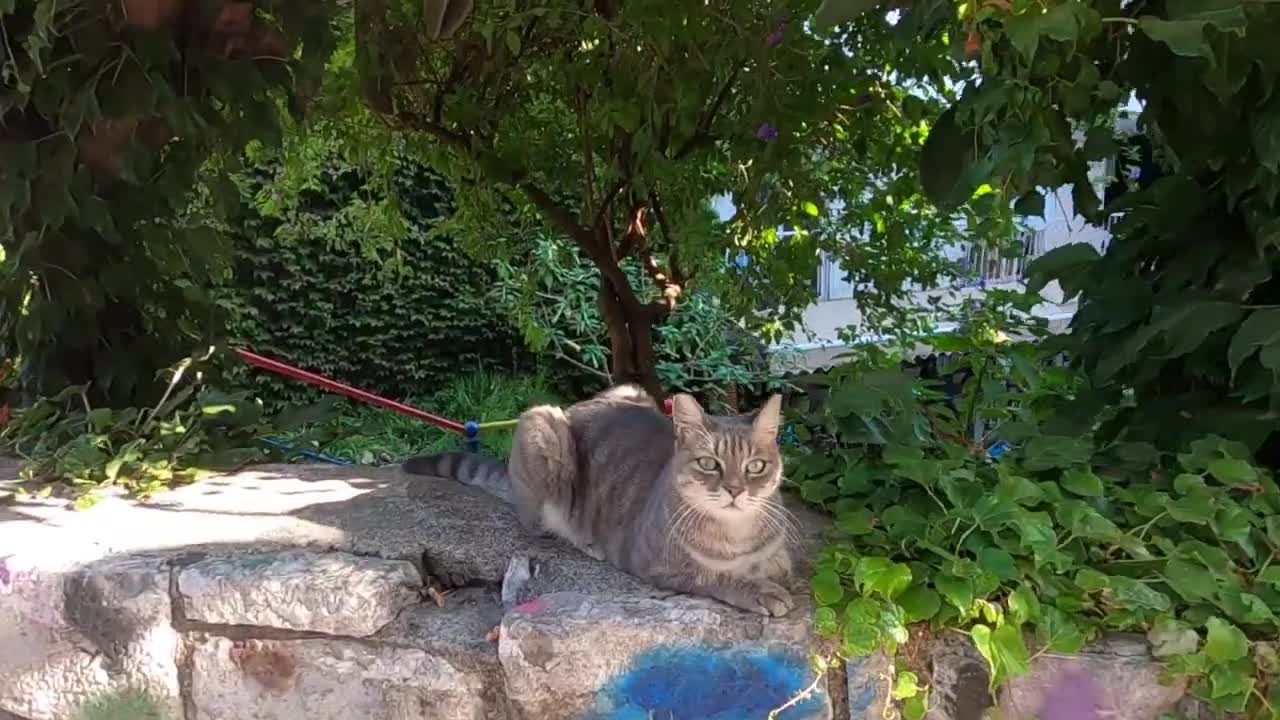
[766, 598]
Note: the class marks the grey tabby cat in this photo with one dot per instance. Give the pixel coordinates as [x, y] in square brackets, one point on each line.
[689, 503]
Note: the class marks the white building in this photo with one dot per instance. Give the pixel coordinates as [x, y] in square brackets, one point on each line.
[817, 342]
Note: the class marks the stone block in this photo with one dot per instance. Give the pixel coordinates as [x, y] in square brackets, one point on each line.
[1116, 679]
[430, 664]
[332, 593]
[569, 655]
[72, 636]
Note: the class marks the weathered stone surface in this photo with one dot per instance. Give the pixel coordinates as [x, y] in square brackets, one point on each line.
[328, 680]
[280, 550]
[71, 636]
[431, 664]
[570, 655]
[869, 681]
[1115, 678]
[333, 593]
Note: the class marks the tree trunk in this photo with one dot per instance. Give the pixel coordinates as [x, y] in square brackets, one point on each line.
[633, 359]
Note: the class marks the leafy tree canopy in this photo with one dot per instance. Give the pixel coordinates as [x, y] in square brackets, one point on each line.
[616, 123]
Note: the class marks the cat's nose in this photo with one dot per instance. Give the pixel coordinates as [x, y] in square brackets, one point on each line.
[734, 492]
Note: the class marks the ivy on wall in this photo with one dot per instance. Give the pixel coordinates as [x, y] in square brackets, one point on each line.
[308, 292]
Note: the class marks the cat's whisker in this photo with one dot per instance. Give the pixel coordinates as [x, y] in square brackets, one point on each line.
[788, 524]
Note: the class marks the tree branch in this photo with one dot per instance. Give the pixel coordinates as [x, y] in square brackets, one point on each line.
[678, 275]
[702, 135]
[588, 155]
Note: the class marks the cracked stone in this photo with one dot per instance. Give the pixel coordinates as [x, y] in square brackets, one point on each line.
[333, 593]
[430, 664]
[80, 635]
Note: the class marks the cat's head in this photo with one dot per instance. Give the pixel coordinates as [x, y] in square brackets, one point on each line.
[729, 467]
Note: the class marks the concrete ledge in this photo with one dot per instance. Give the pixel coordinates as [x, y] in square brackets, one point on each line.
[298, 593]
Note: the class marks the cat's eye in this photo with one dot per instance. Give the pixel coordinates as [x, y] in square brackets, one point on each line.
[709, 464]
[755, 467]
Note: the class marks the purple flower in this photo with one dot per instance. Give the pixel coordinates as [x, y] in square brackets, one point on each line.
[767, 133]
[774, 39]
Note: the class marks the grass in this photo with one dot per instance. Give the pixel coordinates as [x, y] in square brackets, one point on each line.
[126, 705]
[372, 436]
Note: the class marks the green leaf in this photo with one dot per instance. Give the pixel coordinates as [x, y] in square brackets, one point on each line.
[1225, 642]
[1170, 637]
[1058, 632]
[1184, 37]
[1060, 22]
[1228, 679]
[1270, 576]
[810, 209]
[882, 576]
[1247, 608]
[957, 590]
[1091, 580]
[1192, 581]
[1024, 606]
[1082, 481]
[862, 611]
[1262, 327]
[837, 12]
[906, 685]
[861, 628]
[1085, 522]
[998, 563]
[916, 708]
[1133, 594]
[1273, 530]
[945, 160]
[825, 621]
[855, 522]
[1031, 204]
[818, 491]
[1186, 325]
[1231, 471]
[860, 640]
[982, 640]
[1264, 129]
[1023, 31]
[827, 589]
[919, 603]
[1011, 649]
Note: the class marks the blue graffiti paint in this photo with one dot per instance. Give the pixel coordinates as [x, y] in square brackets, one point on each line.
[682, 683]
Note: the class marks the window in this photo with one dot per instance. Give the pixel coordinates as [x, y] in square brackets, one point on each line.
[985, 266]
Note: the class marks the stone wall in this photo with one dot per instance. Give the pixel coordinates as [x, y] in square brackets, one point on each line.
[322, 593]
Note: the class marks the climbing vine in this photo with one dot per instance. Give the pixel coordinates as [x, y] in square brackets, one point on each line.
[399, 315]
[1036, 527]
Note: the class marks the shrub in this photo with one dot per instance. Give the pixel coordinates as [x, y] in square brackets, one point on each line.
[1035, 523]
[309, 293]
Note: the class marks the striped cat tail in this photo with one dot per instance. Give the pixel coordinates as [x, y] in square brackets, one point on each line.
[471, 469]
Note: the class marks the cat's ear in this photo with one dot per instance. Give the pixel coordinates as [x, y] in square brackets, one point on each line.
[687, 413]
[767, 419]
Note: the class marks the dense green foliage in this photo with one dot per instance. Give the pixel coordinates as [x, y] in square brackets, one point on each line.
[307, 292]
[371, 436]
[193, 428]
[614, 125]
[550, 294]
[1064, 535]
[107, 113]
[1182, 309]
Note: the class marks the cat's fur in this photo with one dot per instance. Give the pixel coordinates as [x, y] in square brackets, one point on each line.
[689, 503]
